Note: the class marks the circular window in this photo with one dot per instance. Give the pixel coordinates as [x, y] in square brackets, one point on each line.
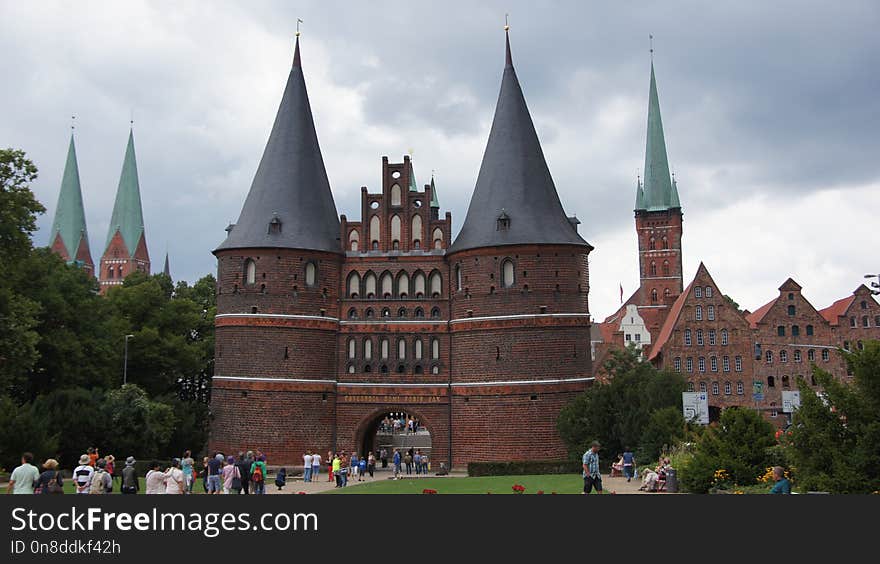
[395, 174]
[374, 205]
[417, 203]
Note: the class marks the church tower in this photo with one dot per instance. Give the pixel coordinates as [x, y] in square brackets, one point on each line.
[70, 238]
[658, 218]
[126, 248]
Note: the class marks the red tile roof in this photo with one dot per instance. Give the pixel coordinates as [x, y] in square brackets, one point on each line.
[833, 312]
[755, 317]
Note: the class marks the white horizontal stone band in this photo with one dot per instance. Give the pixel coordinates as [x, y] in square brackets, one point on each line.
[521, 316]
[391, 385]
[275, 316]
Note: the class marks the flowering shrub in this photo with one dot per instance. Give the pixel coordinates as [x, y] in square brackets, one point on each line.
[301, 493]
[427, 491]
[518, 488]
[540, 492]
[721, 479]
[767, 478]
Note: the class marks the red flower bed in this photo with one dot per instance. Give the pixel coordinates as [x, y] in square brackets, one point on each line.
[427, 491]
[518, 488]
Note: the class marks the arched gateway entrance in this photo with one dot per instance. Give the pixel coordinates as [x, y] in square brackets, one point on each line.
[391, 428]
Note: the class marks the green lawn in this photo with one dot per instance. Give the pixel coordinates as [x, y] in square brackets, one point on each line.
[561, 484]
[69, 487]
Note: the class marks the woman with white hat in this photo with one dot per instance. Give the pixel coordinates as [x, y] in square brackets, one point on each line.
[82, 475]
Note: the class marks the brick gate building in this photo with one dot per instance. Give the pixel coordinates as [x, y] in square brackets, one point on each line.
[325, 326]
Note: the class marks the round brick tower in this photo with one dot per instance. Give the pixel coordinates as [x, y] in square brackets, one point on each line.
[520, 324]
[278, 284]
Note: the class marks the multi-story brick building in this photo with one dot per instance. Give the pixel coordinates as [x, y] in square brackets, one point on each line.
[855, 318]
[324, 326]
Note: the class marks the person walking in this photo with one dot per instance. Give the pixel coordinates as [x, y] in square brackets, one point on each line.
[111, 466]
[24, 476]
[174, 481]
[155, 480]
[395, 459]
[629, 464]
[205, 462]
[592, 477]
[50, 481]
[130, 483]
[354, 466]
[186, 464]
[215, 465]
[316, 466]
[307, 466]
[330, 465]
[782, 485]
[371, 464]
[383, 455]
[230, 472]
[258, 475]
[362, 468]
[335, 467]
[82, 475]
[344, 468]
[417, 461]
[408, 462]
[244, 468]
[101, 481]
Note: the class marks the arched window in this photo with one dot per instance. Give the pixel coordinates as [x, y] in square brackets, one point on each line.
[419, 313]
[401, 312]
[370, 285]
[507, 273]
[352, 313]
[311, 274]
[395, 195]
[416, 232]
[654, 295]
[653, 268]
[386, 313]
[652, 243]
[740, 389]
[250, 269]
[665, 268]
[418, 369]
[354, 284]
[811, 355]
[110, 271]
[667, 293]
[368, 349]
[701, 364]
[402, 284]
[860, 345]
[417, 349]
[690, 364]
[698, 313]
[401, 349]
[703, 387]
[676, 363]
[419, 284]
[786, 382]
[435, 313]
[715, 389]
[768, 357]
[708, 291]
[435, 369]
[458, 278]
[369, 313]
[687, 337]
[435, 349]
[387, 285]
[665, 243]
[783, 356]
[810, 330]
[375, 230]
[352, 349]
[351, 369]
[437, 237]
[791, 310]
[698, 292]
[865, 322]
[690, 386]
[384, 369]
[826, 356]
[700, 337]
[353, 240]
[780, 331]
[711, 313]
[795, 331]
[368, 368]
[436, 285]
[863, 304]
[724, 337]
[383, 348]
[727, 388]
[713, 363]
[395, 231]
[725, 363]
[712, 337]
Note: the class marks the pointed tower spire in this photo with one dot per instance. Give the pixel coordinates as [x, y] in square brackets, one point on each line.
[128, 215]
[70, 238]
[435, 202]
[514, 200]
[290, 204]
[658, 192]
[167, 269]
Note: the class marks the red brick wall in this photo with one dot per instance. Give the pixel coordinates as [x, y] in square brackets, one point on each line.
[660, 224]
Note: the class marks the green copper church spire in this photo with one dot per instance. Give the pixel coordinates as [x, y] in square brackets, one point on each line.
[435, 203]
[658, 192]
[128, 216]
[70, 216]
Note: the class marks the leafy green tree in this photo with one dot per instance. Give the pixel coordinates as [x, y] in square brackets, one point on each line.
[23, 429]
[738, 444]
[619, 413]
[18, 206]
[137, 424]
[834, 441]
[76, 416]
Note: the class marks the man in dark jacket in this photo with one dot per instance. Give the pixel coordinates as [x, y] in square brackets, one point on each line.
[130, 483]
[244, 468]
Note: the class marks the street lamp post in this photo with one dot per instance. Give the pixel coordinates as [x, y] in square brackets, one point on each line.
[874, 285]
[125, 364]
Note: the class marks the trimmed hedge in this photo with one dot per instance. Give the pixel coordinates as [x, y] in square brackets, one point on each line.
[526, 467]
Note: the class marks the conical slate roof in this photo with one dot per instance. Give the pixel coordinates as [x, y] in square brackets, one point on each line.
[435, 201]
[128, 215]
[514, 181]
[70, 215]
[290, 189]
[659, 191]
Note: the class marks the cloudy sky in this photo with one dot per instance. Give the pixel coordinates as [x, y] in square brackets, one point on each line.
[770, 112]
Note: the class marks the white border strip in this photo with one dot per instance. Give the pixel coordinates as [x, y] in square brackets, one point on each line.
[274, 316]
[249, 379]
[395, 321]
[521, 316]
[386, 385]
[521, 382]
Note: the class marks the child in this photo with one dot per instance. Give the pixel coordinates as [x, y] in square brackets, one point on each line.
[281, 478]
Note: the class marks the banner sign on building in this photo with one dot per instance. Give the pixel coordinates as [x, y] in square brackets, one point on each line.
[791, 401]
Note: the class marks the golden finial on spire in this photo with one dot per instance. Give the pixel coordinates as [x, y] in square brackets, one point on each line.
[298, 21]
[506, 22]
